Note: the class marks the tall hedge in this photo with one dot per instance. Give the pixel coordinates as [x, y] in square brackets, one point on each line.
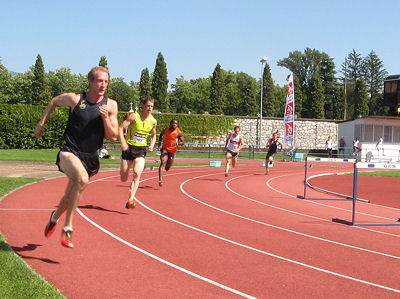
[18, 124]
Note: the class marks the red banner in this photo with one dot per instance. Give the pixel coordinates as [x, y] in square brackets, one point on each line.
[289, 113]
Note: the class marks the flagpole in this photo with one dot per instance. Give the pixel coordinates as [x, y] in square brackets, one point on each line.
[263, 60]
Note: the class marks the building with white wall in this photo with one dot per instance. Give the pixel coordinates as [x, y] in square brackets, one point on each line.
[369, 130]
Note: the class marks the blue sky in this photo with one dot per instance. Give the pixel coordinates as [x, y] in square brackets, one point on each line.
[193, 36]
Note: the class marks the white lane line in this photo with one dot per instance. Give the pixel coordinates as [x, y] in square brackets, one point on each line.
[261, 251]
[154, 256]
[162, 260]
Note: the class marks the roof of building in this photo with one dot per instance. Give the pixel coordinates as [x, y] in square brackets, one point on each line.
[382, 117]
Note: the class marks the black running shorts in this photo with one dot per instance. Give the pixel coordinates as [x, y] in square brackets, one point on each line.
[234, 154]
[89, 160]
[134, 152]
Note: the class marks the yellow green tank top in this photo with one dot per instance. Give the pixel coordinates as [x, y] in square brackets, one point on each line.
[139, 130]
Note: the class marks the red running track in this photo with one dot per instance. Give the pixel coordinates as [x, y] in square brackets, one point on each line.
[204, 235]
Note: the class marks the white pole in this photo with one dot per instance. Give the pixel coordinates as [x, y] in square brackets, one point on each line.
[263, 60]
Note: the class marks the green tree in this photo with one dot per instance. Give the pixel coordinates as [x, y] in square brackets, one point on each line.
[232, 93]
[40, 88]
[352, 71]
[144, 85]
[316, 98]
[182, 98]
[338, 103]
[21, 86]
[159, 85]
[62, 80]
[327, 73]
[361, 99]
[304, 65]
[202, 90]
[248, 91]
[103, 62]
[298, 96]
[269, 100]
[280, 93]
[374, 75]
[5, 85]
[123, 93]
[217, 92]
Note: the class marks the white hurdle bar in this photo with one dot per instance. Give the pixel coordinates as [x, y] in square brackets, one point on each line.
[313, 159]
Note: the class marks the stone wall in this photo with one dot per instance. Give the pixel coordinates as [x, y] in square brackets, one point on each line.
[309, 133]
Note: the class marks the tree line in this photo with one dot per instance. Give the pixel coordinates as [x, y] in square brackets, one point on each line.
[319, 91]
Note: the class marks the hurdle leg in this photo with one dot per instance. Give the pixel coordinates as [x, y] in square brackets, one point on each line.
[305, 178]
[355, 176]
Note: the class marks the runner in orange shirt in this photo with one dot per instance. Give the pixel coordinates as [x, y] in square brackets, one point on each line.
[169, 139]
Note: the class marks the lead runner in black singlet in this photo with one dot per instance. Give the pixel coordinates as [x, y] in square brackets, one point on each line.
[92, 117]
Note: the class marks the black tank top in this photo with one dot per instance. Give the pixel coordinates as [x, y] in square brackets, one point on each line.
[85, 128]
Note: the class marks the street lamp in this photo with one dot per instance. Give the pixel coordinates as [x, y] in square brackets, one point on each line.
[263, 60]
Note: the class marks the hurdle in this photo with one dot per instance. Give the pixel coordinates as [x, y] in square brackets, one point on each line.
[306, 184]
[364, 165]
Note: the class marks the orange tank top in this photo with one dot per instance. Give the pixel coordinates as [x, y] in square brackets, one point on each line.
[169, 138]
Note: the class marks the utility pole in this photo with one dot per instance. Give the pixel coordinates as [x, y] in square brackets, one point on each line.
[263, 60]
[345, 88]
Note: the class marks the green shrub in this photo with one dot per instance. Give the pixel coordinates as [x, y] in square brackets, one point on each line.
[19, 123]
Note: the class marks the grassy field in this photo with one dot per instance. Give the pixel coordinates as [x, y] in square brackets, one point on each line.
[49, 155]
[17, 279]
[385, 173]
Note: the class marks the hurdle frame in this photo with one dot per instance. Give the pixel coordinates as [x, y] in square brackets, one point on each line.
[313, 159]
[367, 165]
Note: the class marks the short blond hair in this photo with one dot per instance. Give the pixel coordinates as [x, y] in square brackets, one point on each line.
[93, 71]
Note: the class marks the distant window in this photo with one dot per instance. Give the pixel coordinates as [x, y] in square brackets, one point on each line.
[387, 136]
[378, 132]
[396, 134]
[391, 87]
[357, 132]
[369, 133]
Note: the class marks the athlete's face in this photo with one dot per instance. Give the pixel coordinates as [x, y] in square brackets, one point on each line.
[148, 106]
[99, 83]
[237, 130]
[173, 125]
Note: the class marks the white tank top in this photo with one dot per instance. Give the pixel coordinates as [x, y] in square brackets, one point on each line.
[234, 142]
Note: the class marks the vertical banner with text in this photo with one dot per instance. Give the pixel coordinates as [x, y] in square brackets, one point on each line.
[288, 118]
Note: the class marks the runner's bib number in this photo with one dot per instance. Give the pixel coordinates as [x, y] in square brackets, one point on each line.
[139, 138]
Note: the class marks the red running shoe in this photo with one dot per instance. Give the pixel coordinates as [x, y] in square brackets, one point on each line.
[130, 204]
[50, 227]
[66, 237]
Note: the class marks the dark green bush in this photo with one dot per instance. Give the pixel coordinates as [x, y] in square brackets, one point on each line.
[18, 124]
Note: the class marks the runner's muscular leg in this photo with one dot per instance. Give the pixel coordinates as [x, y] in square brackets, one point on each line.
[138, 166]
[124, 170]
[228, 161]
[170, 161]
[62, 206]
[163, 162]
[234, 159]
[78, 177]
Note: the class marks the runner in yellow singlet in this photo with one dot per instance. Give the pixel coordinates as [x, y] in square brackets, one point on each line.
[134, 145]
